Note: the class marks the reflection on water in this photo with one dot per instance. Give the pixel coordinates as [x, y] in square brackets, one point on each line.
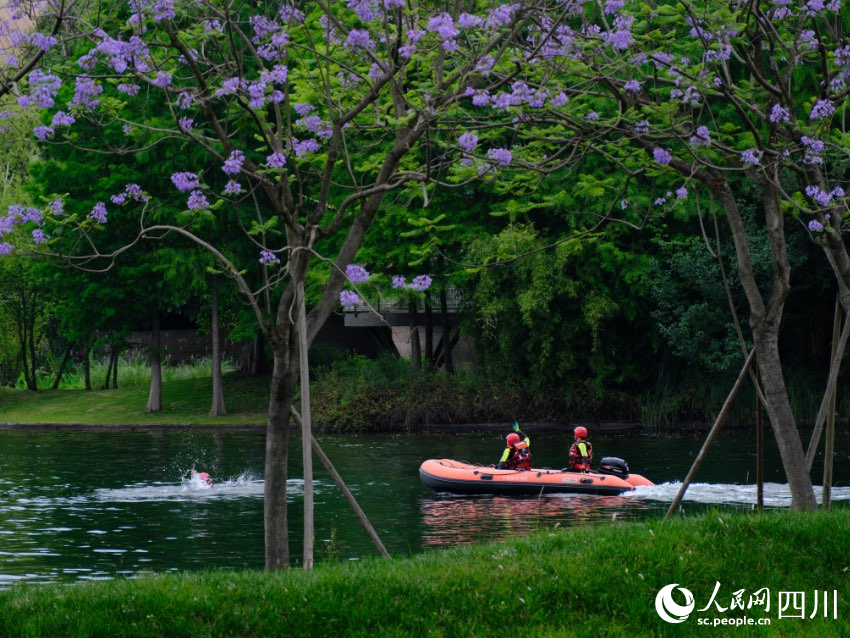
[461, 520]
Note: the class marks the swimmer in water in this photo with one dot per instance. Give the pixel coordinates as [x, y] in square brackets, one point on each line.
[201, 475]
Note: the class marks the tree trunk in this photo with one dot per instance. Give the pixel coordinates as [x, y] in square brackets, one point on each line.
[87, 368]
[155, 357]
[218, 407]
[62, 365]
[109, 365]
[429, 333]
[415, 347]
[116, 351]
[32, 355]
[764, 322]
[281, 394]
[447, 327]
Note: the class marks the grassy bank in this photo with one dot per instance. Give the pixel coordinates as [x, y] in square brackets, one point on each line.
[185, 401]
[590, 581]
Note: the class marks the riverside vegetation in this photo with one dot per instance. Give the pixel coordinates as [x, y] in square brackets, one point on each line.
[385, 394]
[537, 583]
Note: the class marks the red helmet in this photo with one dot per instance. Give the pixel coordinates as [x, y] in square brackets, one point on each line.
[580, 432]
[513, 438]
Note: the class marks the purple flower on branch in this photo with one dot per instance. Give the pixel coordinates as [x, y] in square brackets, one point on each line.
[701, 137]
[662, 156]
[267, 257]
[501, 156]
[356, 274]
[751, 156]
[349, 299]
[233, 164]
[815, 226]
[98, 213]
[468, 141]
[197, 201]
[185, 181]
[399, 282]
[43, 132]
[276, 160]
[778, 114]
[822, 110]
[421, 283]
[232, 187]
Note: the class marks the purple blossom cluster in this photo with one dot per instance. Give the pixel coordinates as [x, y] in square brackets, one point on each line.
[185, 181]
[304, 147]
[197, 201]
[98, 213]
[822, 110]
[444, 27]
[501, 156]
[233, 164]
[813, 150]
[620, 37]
[356, 274]
[132, 192]
[43, 89]
[276, 160]
[348, 299]
[822, 197]
[468, 141]
[701, 137]
[268, 258]
[86, 91]
[778, 113]
[316, 125]
[751, 157]
[662, 156]
[420, 283]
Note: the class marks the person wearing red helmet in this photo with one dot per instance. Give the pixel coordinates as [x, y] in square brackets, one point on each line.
[581, 451]
[517, 455]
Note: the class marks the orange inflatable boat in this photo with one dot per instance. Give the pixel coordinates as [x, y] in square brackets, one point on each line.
[447, 475]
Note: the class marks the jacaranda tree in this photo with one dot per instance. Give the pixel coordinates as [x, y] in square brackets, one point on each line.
[314, 112]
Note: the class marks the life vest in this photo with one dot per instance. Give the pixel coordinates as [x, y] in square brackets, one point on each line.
[520, 457]
[577, 461]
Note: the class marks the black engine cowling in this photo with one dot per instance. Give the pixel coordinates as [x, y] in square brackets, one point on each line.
[614, 465]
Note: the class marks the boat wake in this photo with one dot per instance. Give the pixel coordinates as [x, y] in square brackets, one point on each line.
[775, 494]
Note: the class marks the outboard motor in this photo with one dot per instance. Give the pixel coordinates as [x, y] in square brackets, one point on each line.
[614, 465]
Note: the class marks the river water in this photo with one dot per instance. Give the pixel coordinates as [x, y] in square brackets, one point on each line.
[107, 504]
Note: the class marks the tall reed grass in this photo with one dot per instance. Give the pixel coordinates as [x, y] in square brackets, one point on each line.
[136, 371]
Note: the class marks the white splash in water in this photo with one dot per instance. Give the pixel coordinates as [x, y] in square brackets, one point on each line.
[775, 494]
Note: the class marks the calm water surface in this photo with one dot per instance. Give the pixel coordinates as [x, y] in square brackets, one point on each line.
[101, 505]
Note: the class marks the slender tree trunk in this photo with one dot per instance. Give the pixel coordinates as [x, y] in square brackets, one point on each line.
[447, 327]
[87, 368]
[275, 517]
[31, 343]
[109, 366]
[415, 347]
[429, 333]
[218, 407]
[116, 351]
[155, 358]
[306, 424]
[62, 365]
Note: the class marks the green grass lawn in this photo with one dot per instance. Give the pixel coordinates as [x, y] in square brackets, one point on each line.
[184, 402]
[599, 581]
